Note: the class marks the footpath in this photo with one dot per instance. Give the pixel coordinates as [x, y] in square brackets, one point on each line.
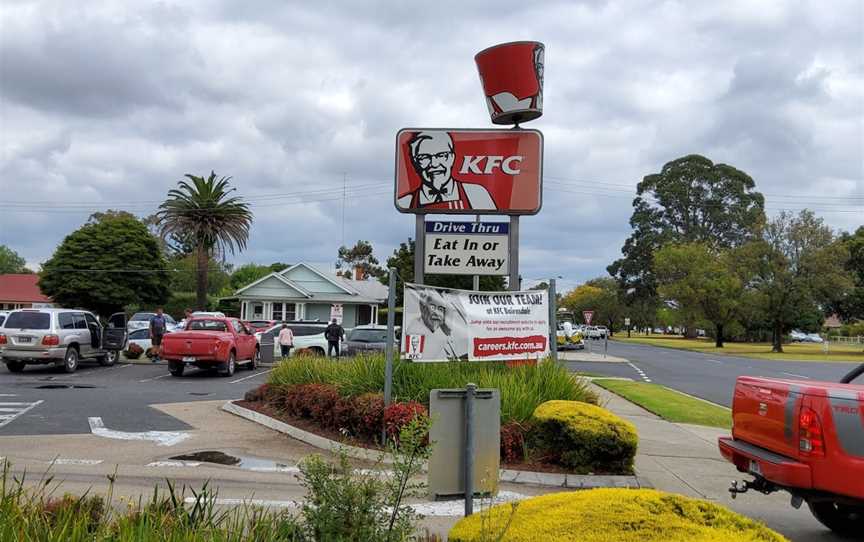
[683, 458]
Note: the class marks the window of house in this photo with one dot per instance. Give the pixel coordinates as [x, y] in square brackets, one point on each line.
[257, 311]
[278, 312]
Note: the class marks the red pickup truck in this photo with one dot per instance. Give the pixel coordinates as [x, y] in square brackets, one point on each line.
[806, 438]
[211, 343]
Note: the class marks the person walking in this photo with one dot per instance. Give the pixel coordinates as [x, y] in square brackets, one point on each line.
[158, 324]
[286, 340]
[334, 333]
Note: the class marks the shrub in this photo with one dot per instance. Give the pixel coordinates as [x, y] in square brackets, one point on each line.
[522, 388]
[398, 415]
[513, 448]
[643, 515]
[133, 351]
[315, 401]
[584, 438]
[368, 415]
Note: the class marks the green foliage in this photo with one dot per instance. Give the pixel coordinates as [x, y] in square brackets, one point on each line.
[850, 305]
[184, 276]
[703, 282]
[360, 256]
[583, 437]
[403, 261]
[602, 295]
[522, 388]
[204, 212]
[795, 269]
[248, 273]
[106, 265]
[11, 261]
[690, 200]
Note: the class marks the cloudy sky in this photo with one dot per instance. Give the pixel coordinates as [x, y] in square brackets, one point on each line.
[108, 104]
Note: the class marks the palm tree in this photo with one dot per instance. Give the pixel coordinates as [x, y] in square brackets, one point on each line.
[203, 211]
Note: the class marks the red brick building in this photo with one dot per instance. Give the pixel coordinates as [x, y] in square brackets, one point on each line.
[21, 291]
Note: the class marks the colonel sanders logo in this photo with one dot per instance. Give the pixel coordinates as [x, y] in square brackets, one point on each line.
[432, 157]
[512, 77]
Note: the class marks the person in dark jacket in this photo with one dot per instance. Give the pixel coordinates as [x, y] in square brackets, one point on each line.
[158, 326]
[334, 333]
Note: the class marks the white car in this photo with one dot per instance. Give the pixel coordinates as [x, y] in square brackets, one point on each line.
[141, 320]
[141, 337]
[797, 336]
[814, 338]
[307, 335]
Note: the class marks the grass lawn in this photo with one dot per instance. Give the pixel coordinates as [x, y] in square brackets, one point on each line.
[796, 351]
[669, 404]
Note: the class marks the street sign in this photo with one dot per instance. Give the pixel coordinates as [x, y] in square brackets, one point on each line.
[458, 171]
[626, 321]
[588, 315]
[336, 313]
[467, 248]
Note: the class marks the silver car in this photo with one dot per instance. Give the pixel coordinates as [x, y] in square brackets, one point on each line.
[59, 337]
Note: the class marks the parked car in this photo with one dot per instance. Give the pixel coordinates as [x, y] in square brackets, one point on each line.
[814, 338]
[3, 315]
[260, 325]
[211, 343]
[59, 337]
[366, 339]
[307, 335]
[141, 337]
[797, 336]
[603, 331]
[806, 438]
[596, 332]
[141, 320]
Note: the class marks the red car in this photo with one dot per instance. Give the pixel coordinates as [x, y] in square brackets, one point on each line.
[806, 438]
[210, 342]
[259, 325]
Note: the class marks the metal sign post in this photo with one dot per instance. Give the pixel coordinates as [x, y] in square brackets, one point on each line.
[514, 254]
[419, 247]
[388, 348]
[468, 474]
[476, 282]
[553, 321]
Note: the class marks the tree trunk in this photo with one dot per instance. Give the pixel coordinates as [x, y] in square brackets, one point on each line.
[201, 294]
[718, 342]
[777, 339]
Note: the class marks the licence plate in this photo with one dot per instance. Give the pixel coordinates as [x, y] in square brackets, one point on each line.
[189, 359]
[25, 339]
[754, 468]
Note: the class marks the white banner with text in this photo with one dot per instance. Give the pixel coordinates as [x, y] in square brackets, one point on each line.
[440, 324]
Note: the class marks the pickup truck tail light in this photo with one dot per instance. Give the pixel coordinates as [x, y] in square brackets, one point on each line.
[3, 339]
[811, 440]
[51, 340]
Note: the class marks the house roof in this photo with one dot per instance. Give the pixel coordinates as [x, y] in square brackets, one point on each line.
[21, 288]
[350, 291]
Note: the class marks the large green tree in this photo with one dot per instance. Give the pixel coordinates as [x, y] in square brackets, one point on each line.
[110, 262]
[690, 200]
[11, 261]
[250, 272]
[797, 269]
[850, 305]
[403, 261]
[203, 210]
[702, 281]
[360, 257]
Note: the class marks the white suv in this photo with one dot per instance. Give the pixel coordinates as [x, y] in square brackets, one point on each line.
[59, 337]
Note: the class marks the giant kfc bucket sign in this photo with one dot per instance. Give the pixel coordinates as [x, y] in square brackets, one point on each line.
[512, 77]
[445, 171]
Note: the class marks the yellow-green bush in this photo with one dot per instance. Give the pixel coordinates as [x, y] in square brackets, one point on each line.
[584, 438]
[604, 515]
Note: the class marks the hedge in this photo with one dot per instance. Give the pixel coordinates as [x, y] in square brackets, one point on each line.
[603, 515]
[584, 438]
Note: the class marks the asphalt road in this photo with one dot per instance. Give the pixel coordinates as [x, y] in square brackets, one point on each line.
[707, 376]
[43, 401]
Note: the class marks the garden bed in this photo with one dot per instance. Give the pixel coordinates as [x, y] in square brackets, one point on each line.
[341, 401]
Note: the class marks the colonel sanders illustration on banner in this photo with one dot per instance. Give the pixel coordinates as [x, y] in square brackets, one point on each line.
[512, 77]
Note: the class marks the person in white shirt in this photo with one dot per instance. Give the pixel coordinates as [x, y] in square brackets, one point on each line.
[286, 340]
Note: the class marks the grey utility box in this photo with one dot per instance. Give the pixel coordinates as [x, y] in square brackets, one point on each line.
[268, 341]
[447, 464]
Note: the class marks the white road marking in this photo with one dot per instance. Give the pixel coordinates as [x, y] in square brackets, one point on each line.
[250, 376]
[17, 409]
[69, 461]
[715, 361]
[161, 438]
[173, 464]
[639, 371]
[290, 470]
[253, 502]
[155, 378]
[795, 375]
[8, 395]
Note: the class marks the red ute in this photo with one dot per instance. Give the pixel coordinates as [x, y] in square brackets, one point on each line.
[210, 343]
[806, 438]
